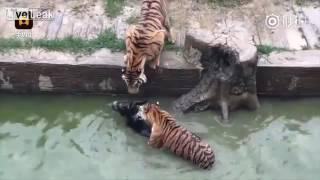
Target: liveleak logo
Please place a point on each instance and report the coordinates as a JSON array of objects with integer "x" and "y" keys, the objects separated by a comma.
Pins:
[{"x": 23, "y": 20}]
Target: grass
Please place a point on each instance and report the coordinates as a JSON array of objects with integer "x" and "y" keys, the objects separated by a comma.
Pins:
[
  {"x": 229, "y": 3},
  {"x": 300, "y": 2},
  {"x": 234, "y": 3},
  {"x": 268, "y": 49},
  {"x": 12, "y": 43},
  {"x": 304, "y": 2},
  {"x": 106, "y": 39},
  {"x": 76, "y": 45},
  {"x": 171, "y": 47},
  {"x": 114, "y": 7}
]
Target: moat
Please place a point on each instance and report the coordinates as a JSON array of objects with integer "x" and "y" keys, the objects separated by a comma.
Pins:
[{"x": 80, "y": 137}]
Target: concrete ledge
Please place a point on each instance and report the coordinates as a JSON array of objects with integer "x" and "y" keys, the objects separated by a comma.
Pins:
[
  {"x": 100, "y": 73},
  {"x": 290, "y": 74},
  {"x": 282, "y": 74}
]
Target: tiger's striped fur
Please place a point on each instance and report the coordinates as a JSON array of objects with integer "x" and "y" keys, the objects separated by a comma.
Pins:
[
  {"x": 144, "y": 43},
  {"x": 168, "y": 134}
]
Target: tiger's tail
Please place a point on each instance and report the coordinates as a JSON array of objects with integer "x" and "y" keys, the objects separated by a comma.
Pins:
[{"x": 209, "y": 159}]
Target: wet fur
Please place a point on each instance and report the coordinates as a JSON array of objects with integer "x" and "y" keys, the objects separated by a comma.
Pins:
[{"x": 166, "y": 133}]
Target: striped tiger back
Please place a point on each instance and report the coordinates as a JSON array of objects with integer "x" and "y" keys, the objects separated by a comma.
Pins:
[
  {"x": 144, "y": 43},
  {"x": 167, "y": 133},
  {"x": 154, "y": 15}
]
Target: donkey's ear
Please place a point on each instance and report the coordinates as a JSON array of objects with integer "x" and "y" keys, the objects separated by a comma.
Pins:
[{"x": 140, "y": 103}]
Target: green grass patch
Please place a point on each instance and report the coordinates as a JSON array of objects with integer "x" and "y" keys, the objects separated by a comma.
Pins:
[
  {"x": 76, "y": 45},
  {"x": 267, "y": 49},
  {"x": 305, "y": 2},
  {"x": 300, "y": 2},
  {"x": 13, "y": 43},
  {"x": 107, "y": 39},
  {"x": 113, "y": 8},
  {"x": 171, "y": 47},
  {"x": 228, "y": 3}
]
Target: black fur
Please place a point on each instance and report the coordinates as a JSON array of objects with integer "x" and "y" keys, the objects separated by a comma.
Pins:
[{"x": 129, "y": 110}]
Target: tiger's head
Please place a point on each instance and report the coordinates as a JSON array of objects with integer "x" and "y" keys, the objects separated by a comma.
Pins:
[
  {"x": 150, "y": 112},
  {"x": 133, "y": 74}
]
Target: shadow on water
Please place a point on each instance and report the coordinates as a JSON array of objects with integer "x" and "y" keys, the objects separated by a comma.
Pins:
[{"x": 80, "y": 137}]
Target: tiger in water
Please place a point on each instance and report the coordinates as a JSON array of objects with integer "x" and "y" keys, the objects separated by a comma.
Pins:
[
  {"x": 144, "y": 43},
  {"x": 167, "y": 133}
]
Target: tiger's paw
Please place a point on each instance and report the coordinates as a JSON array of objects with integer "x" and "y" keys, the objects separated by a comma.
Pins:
[
  {"x": 155, "y": 145},
  {"x": 151, "y": 144},
  {"x": 153, "y": 65},
  {"x": 170, "y": 37}
]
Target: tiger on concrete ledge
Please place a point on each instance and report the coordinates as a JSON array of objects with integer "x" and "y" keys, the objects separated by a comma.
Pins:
[{"x": 145, "y": 42}]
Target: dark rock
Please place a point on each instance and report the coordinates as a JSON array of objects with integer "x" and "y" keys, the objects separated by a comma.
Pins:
[{"x": 228, "y": 79}]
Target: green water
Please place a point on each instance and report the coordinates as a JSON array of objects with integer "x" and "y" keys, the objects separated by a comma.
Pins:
[{"x": 80, "y": 138}]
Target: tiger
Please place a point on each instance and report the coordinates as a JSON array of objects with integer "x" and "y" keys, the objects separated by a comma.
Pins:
[
  {"x": 144, "y": 43},
  {"x": 167, "y": 133}
]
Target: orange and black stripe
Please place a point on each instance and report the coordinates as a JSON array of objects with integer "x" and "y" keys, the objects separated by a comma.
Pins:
[
  {"x": 141, "y": 43},
  {"x": 178, "y": 139}
]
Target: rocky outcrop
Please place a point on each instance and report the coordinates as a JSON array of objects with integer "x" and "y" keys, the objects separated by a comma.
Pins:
[{"x": 228, "y": 60}]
